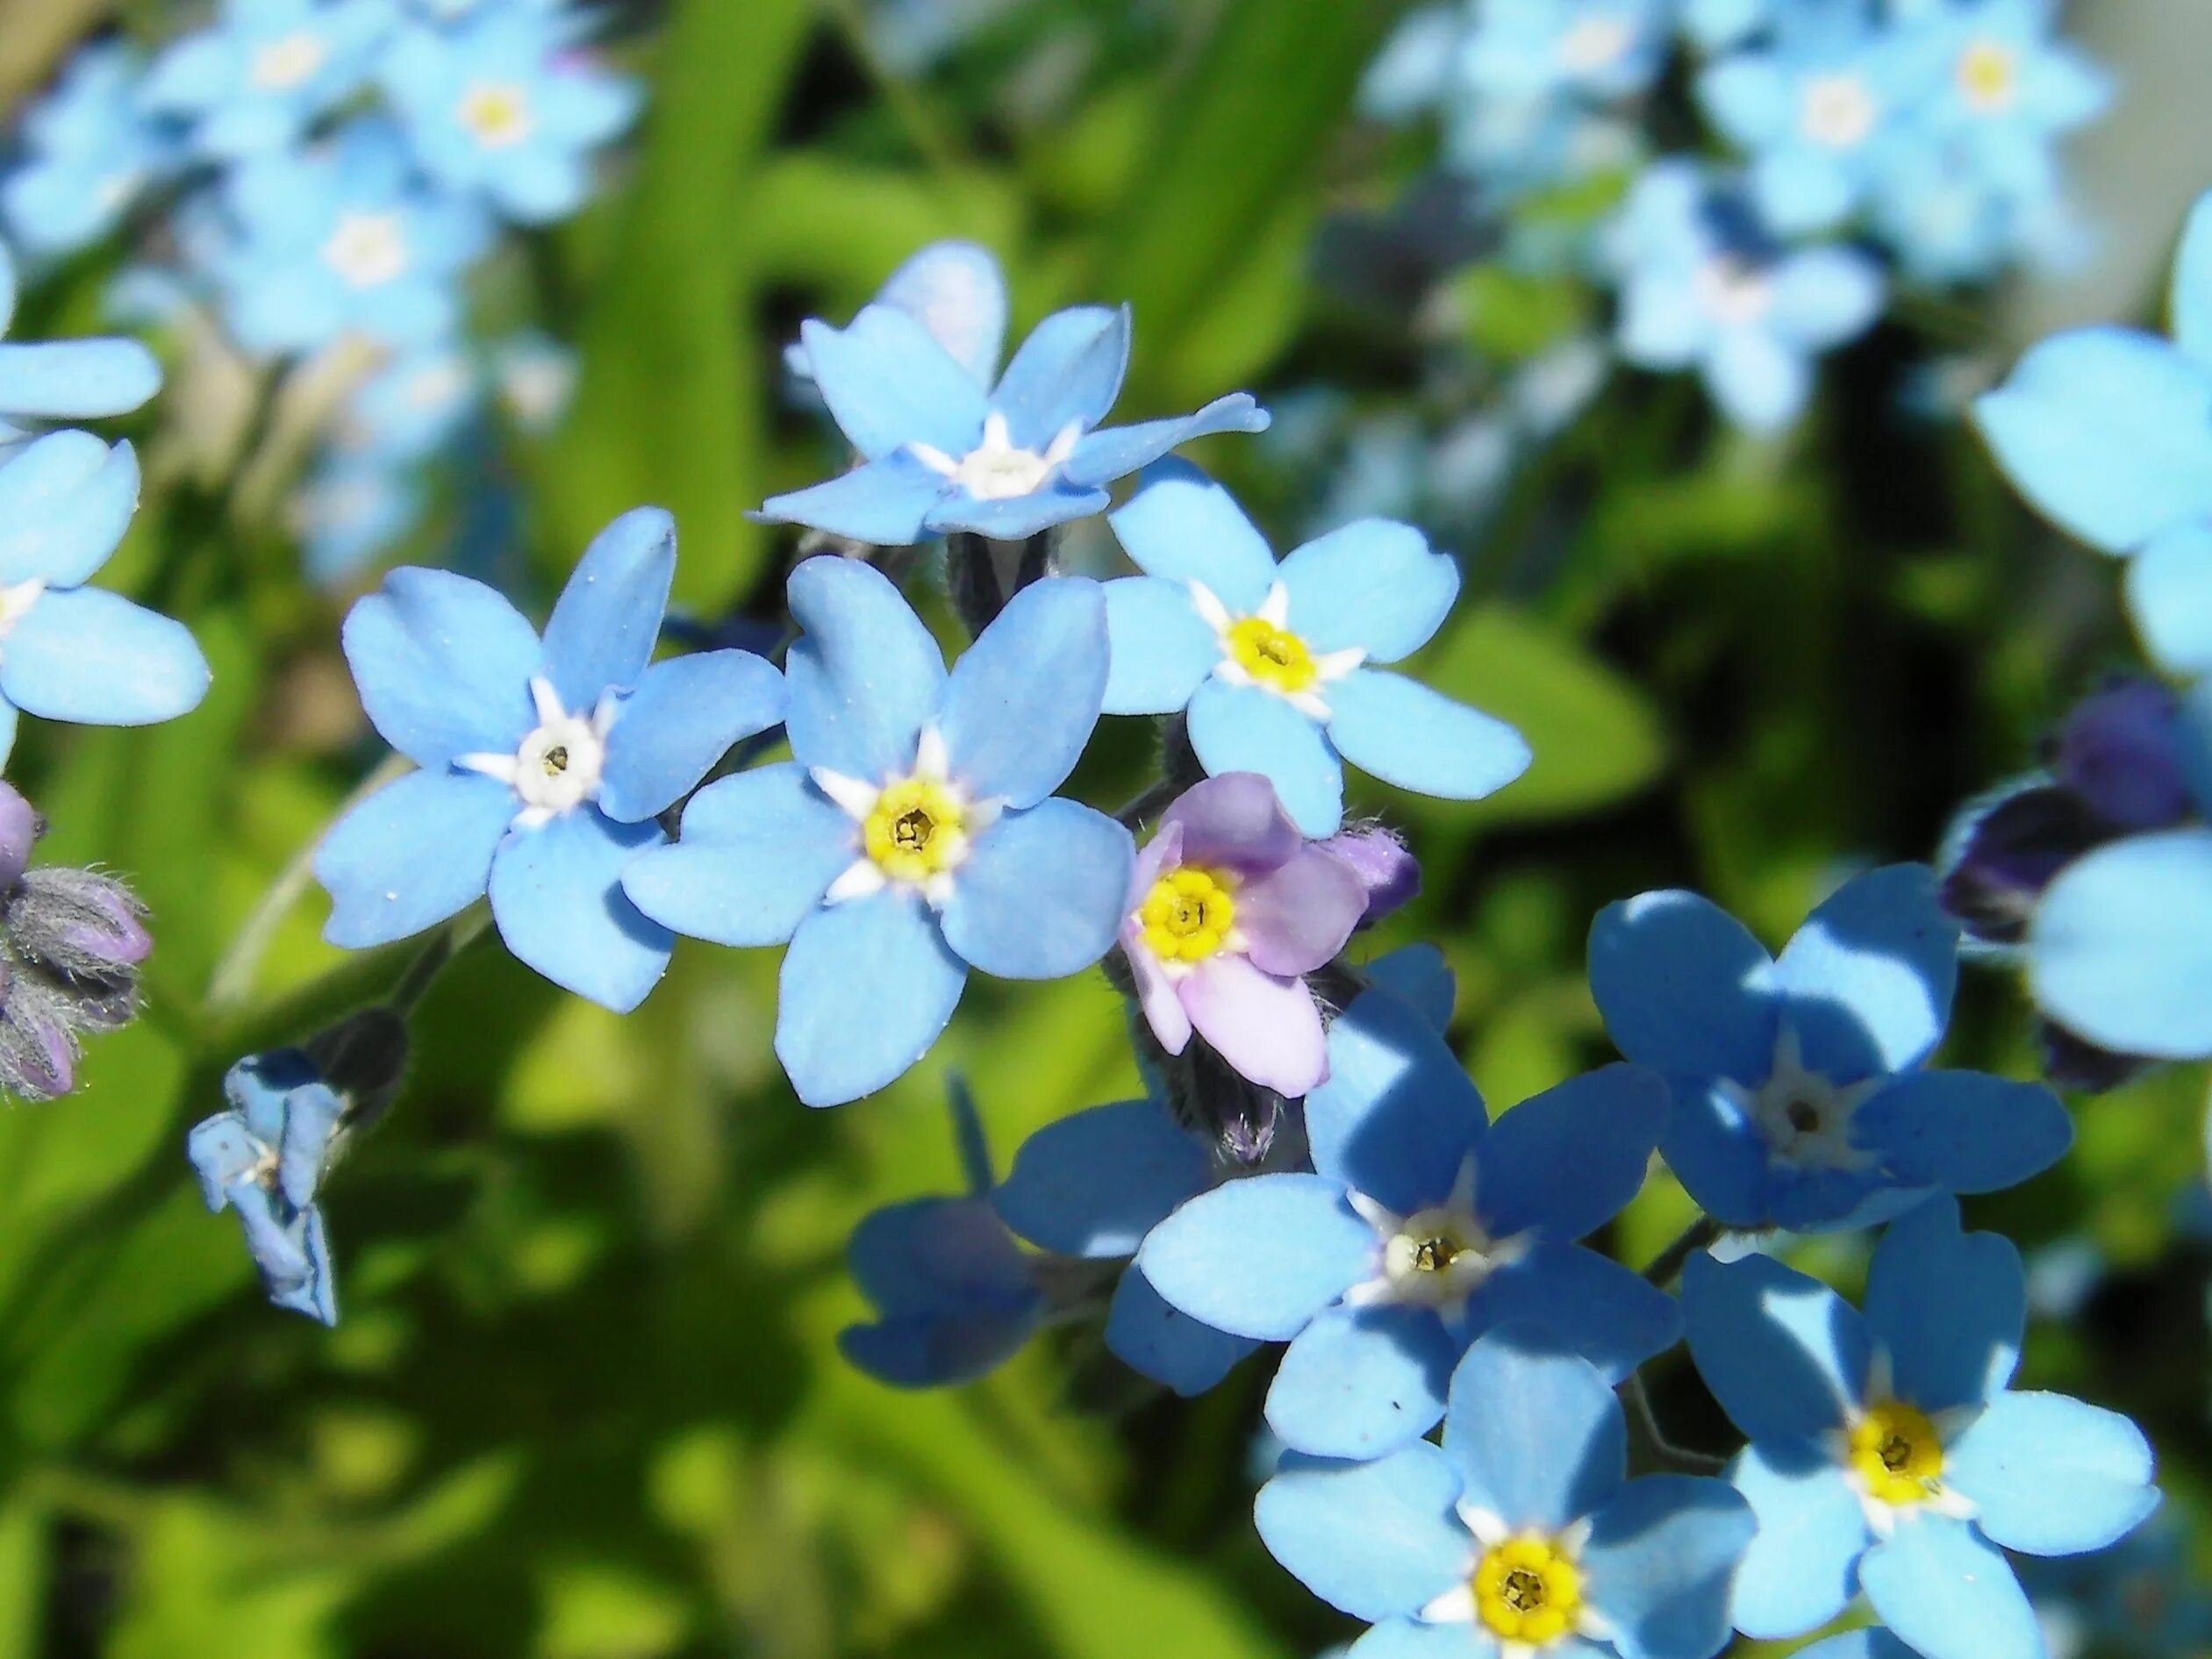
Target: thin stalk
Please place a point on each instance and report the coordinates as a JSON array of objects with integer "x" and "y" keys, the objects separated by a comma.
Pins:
[
  {"x": 456, "y": 937},
  {"x": 1666, "y": 1267}
]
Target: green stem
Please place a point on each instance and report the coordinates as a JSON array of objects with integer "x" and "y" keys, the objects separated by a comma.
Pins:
[
  {"x": 1666, "y": 1267},
  {"x": 450, "y": 941}
]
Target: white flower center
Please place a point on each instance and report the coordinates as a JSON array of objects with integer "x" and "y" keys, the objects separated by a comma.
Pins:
[
  {"x": 366, "y": 249},
  {"x": 1805, "y": 1116},
  {"x": 559, "y": 765},
  {"x": 914, "y": 830},
  {"x": 1435, "y": 1257},
  {"x": 1839, "y": 111},
  {"x": 1260, "y": 649},
  {"x": 1595, "y": 43},
  {"x": 282, "y": 64},
  {"x": 1734, "y": 290},
  {"x": 996, "y": 469},
  {"x": 497, "y": 113}
]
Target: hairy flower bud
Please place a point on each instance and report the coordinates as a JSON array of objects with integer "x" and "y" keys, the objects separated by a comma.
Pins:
[
  {"x": 1379, "y": 858},
  {"x": 79, "y": 922},
  {"x": 19, "y": 829}
]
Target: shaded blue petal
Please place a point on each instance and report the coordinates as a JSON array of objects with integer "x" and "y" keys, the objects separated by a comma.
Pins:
[
  {"x": 1242, "y": 728},
  {"x": 1421, "y": 976},
  {"x": 1566, "y": 1162},
  {"x": 1042, "y": 892},
  {"x": 930, "y": 1256},
  {"x": 1683, "y": 987},
  {"x": 2050, "y": 1476},
  {"x": 1360, "y": 1382},
  {"x": 1182, "y": 526},
  {"x": 1399, "y": 1113},
  {"x": 1166, "y": 1344},
  {"x": 1093, "y": 1184},
  {"x": 311, "y": 1115},
  {"x": 1537, "y": 1437},
  {"x": 89, "y": 656},
  {"x": 866, "y": 988},
  {"x": 2169, "y": 587},
  {"x": 1162, "y": 648},
  {"x": 1871, "y": 1642},
  {"x": 1825, "y": 296},
  {"x": 1760, "y": 382},
  {"x": 1870, "y": 975},
  {"x": 1586, "y": 1303},
  {"x": 1964, "y": 1131},
  {"x": 1113, "y": 451},
  {"x": 1406, "y": 734},
  {"x": 443, "y": 664},
  {"x": 1374, "y": 1539},
  {"x": 1948, "y": 1307},
  {"x": 8, "y": 724},
  {"x": 1413, "y": 1639},
  {"x": 865, "y": 677},
  {"x": 1067, "y": 373},
  {"x": 758, "y": 852},
  {"x": 683, "y": 716},
  {"x": 221, "y": 1153},
  {"x": 1801, "y": 1570},
  {"x": 603, "y": 625},
  {"x": 76, "y": 379},
  {"x": 1016, "y": 518},
  {"x": 887, "y": 383},
  {"x": 2118, "y": 952},
  {"x": 1373, "y": 585},
  {"x": 1023, "y": 700},
  {"x": 1260, "y": 1257},
  {"x": 1660, "y": 1559},
  {"x": 1949, "y": 1595},
  {"x": 65, "y": 502},
  {"x": 933, "y": 1350},
  {"x": 1786, "y": 1356},
  {"x": 413, "y": 853},
  {"x": 556, "y": 893},
  {"x": 884, "y": 502},
  {"x": 1718, "y": 1155}
]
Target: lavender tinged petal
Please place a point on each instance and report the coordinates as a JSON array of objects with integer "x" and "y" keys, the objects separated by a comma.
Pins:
[
  {"x": 1233, "y": 820},
  {"x": 1296, "y": 917},
  {"x": 1390, "y": 874},
  {"x": 2120, "y": 749},
  {"x": 18, "y": 830}
]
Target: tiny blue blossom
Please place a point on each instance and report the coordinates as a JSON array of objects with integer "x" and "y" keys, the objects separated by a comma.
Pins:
[
  {"x": 957, "y": 291},
  {"x": 264, "y": 1158},
  {"x": 1889, "y": 1455},
  {"x": 916, "y": 832},
  {"x": 89, "y": 151},
  {"x": 265, "y": 71},
  {"x": 414, "y": 406},
  {"x": 544, "y": 762},
  {"x": 1800, "y": 1099},
  {"x": 352, "y": 510},
  {"x": 1599, "y": 50}
]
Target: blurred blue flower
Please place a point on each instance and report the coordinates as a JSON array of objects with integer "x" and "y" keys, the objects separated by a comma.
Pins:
[
  {"x": 89, "y": 150},
  {"x": 1714, "y": 25},
  {"x": 1270, "y": 661},
  {"x": 267, "y": 70},
  {"x": 2008, "y": 91},
  {"x": 2143, "y": 1599},
  {"x": 1421, "y": 1228},
  {"x": 535, "y": 376},
  {"x": 414, "y": 406},
  {"x": 1799, "y": 1097},
  {"x": 941, "y": 453},
  {"x": 1889, "y": 1454},
  {"x": 1599, "y": 50},
  {"x": 1704, "y": 286},
  {"x": 351, "y": 510},
  {"x": 544, "y": 763},
  {"x": 264, "y": 1158},
  {"x": 1522, "y": 1535},
  {"x": 916, "y": 832}
]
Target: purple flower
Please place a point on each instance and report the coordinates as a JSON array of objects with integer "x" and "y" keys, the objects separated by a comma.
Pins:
[{"x": 1229, "y": 907}]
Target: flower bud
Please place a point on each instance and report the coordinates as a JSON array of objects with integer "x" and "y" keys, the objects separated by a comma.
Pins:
[
  {"x": 19, "y": 830},
  {"x": 79, "y": 922},
  {"x": 1378, "y": 857}
]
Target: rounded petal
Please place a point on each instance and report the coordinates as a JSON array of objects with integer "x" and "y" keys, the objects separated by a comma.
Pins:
[
  {"x": 1421, "y": 740},
  {"x": 1398, "y": 1113},
  {"x": 1420, "y": 975},
  {"x": 1265, "y": 1026},
  {"x": 759, "y": 851},
  {"x": 1162, "y": 648},
  {"x": 1093, "y": 1184},
  {"x": 2191, "y": 298},
  {"x": 933, "y": 1256},
  {"x": 1296, "y": 917},
  {"x": 1067, "y": 373},
  {"x": 1538, "y": 1436},
  {"x": 414, "y": 852},
  {"x": 603, "y": 625},
  {"x": 1964, "y": 1131},
  {"x": 956, "y": 290},
  {"x": 1165, "y": 1344},
  {"x": 886, "y": 502},
  {"x": 865, "y": 677},
  {"x": 1568, "y": 1161},
  {"x": 1947, "y": 1594},
  {"x": 1360, "y": 1382},
  {"x": 1233, "y": 820},
  {"x": 1947, "y": 1307},
  {"x": 1683, "y": 987},
  {"x": 1182, "y": 526},
  {"x": 2169, "y": 587},
  {"x": 1242, "y": 728},
  {"x": 2050, "y": 1476},
  {"x": 1869, "y": 976},
  {"x": 1786, "y": 1356},
  {"x": 2118, "y": 952},
  {"x": 1760, "y": 383},
  {"x": 1718, "y": 1155},
  {"x": 1586, "y": 1305},
  {"x": 1825, "y": 295},
  {"x": 1415, "y": 1639},
  {"x": 1373, "y": 585},
  {"x": 1374, "y": 1539},
  {"x": 556, "y": 893},
  {"x": 684, "y": 716},
  {"x": 888, "y": 383},
  {"x": 1260, "y": 1257},
  {"x": 1040, "y": 895},
  {"x": 1023, "y": 700},
  {"x": 935, "y": 1350},
  {"x": 1016, "y": 518},
  {"x": 91, "y": 656},
  {"x": 1113, "y": 451},
  {"x": 866, "y": 988},
  {"x": 1801, "y": 1568},
  {"x": 1661, "y": 1557},
  {"x": 76, "y": 379},
  {"x": 65, "y": 501},
  {"x": 443, "y": 664},
  {"x": 1869, "y": 1642}
]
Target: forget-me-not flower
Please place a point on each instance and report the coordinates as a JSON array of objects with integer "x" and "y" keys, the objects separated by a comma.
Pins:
[
  {"x": 264, "y": 1158},
  {"x": 351, "y": 510},
  {"x": 2007, "y": 92},
  {"x": 1889, "y": 1454},
  {"x": 916, "y": 832},
  {"x": 1800, "y": 1100},
  {"x": 1422, "y": 1225},
  {"x": 256, "y": 80},
  {"x": 89, "y": 150},
  {"x": 1521, "y": 1537},
  {"x": 1599, "y": 50},
  {"x": 544, "y": 763},
  {"x": 1271, "y": 662}
]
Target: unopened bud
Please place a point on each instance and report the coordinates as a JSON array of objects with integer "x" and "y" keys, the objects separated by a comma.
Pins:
[
  {"x": 1377, "y": 856},
  {"x": 79, "y": 921},
  {"x": 19, "y": 829}
]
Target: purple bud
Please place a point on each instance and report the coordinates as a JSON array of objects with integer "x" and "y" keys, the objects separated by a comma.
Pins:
[
  {"x": 38, "y": 1054},
  {"x": 79, "y": 922},
  {"x": 19, "y": 831},
  {"x": 2004, "y": 852},
  {"x": 2122, "y": 750},
  {"x": 1377, "y": 856}
]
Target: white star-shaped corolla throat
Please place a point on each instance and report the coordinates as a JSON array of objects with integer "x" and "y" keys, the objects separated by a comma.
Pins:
[
  {"x": 1435, "y": 1257},
  {"x": 915, "y": 829},
  {"x": 1595, "y": 43},
  {"x": 559, "y": 765},
  {"x": 288, "y": 61},
  {"x": 1260, "y": 650},
  {"x": 366, "y": 249},
  {"x": 998, "y": 469},
  {"x": 1894, "y": 1453},
  {"x": 1805, "y": 1118},
  {"x": 1839, "y": 111},
  {"x": 1734, "y": 289}
]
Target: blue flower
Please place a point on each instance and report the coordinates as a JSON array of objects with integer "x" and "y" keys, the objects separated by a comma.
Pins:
[
  {"x": 1704, "y": 286},
  {"x": 1522, "y": 1535},
  {"x": 2007, "y": 92},
  {"x": 88, "y": 150},
  {"x": 1799, "y": 1097},
  {"x": 260, "y": 78},
  {"x": 1270, "y": 661},
  {"x": 353, "y": 510},
  {"x": 414, "y": 406},
  {"x": 1421, "y": 1227},
  {"x": 943, "y": 452},
  {"x": 503, "y": 105},
  {"x": 43, "y": 381},
  {"x": 264, "y": 1158},
  {"x": 544, "y": 763},
  {"x": 1888, "y": 1454},
  {"x": 1714, "y": 25},
  {"x": 1529, "y": 50},
  {"x": 916, "y": 832}
]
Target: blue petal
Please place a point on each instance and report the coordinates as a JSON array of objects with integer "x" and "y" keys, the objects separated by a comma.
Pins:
[
  {"x": 412, "y": 855},
  {"x": 556, "y": 893},
  {"x": 2109, "y": 432},
  {"x": 1374, "y": 1539},
  {"x": 312, "y": 1117},
  {"x": 1042, "y": 892},
  {"x": 89, "y": 656},
  {"x": 1413, "y": 1639},
  {"x": 931, "y": 1255},
  {"x": 1360, "y": 1382},
  {"x": 1242, "y": 728},
  {"x": 866, "y": 988},
  {"x": 1093, "y": 1184},
  {"x": 1016, "y": 518},
  {"x": 759, "y": 851},
  {"x": 1786, "y": 1356},
  {"x": 1419, "y": 739},
  {"x": 2169, "y": 586},
  {"x": 1800, "y": 1570},
  {"x": 1870, "y": 975},
  {"x": 1260, "y": 1257},
  {"x": 1165, "y": 1344},
  {"x": 1587, "y": 1305},
  {"x": 1718, "y": 1155},
  {"x": 1964, "y": 1131},
  {"x": 956, "y": 290},
  {"x": 1660, "y": 1560},
  {"x": 2118, "y": 952},
  {"x": 1948, "y": 1307},
  {"x": 1067, "y": 373},
  {"x": 444, "y": 666},
  {"x": 1870, "y": 1642},
  {"x": 1398, "y": 1113},
  {"x": 1373, "y": 586},
  {"x": 1162, "y": 648},
  {"x": 684, "y": 716},
  {"x": 866, "y": 676},
  {"x": 603, "y": 625},
  {"x": 2050, "y": 1476},
  {"x": 1113, "y": 452},
  {"x": 884, "y": 502},
  {"x": 1537, "y": 1437},
  {"x": 1023, "y": 700},
  {"x": 1182, "y": 526},
  {"x": 1948, "y": 1595},
  {"x": 65, "y": 502},
  {"x": 887, "y": 383},
  {"x": 221, "y": 1153},
  {"x": 1568, "y": 1161},
  {"x": 76, "y": 379},
  {"x": 1420, "y": 975},
  {"x": 935, "y": 1350},
  {"x": 1683, "y": 987},
  {"x": 2192, "y": 290}
]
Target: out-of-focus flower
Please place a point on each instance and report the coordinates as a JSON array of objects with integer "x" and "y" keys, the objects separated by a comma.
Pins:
[
  {"x": 88, "y": 150},
  {"x": 260, "y": 77},
  {"x": 264, "y": 1158}
]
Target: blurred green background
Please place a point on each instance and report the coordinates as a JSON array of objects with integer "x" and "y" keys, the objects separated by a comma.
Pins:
[{"x": 585, "y": 1402}]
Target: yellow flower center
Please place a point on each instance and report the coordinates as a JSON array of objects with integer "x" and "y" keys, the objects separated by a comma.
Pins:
[
  {"x": 497, "y": 114},
  {"x": 1987, "y": 76},
  {"x": 1274, "y": 657},
  {"x": 917, "y": 829},
  {"x": 1528, "y": 1590},
  {"x": 1895, "y": 1450},
  {"x": 1187, "y": 915}
]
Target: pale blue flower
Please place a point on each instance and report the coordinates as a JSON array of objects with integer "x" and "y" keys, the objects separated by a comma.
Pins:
[
  {"x": 267, "y": 70},
  {"x": 264, "y": 1158},
  {"x": 89, "y": 153}
]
